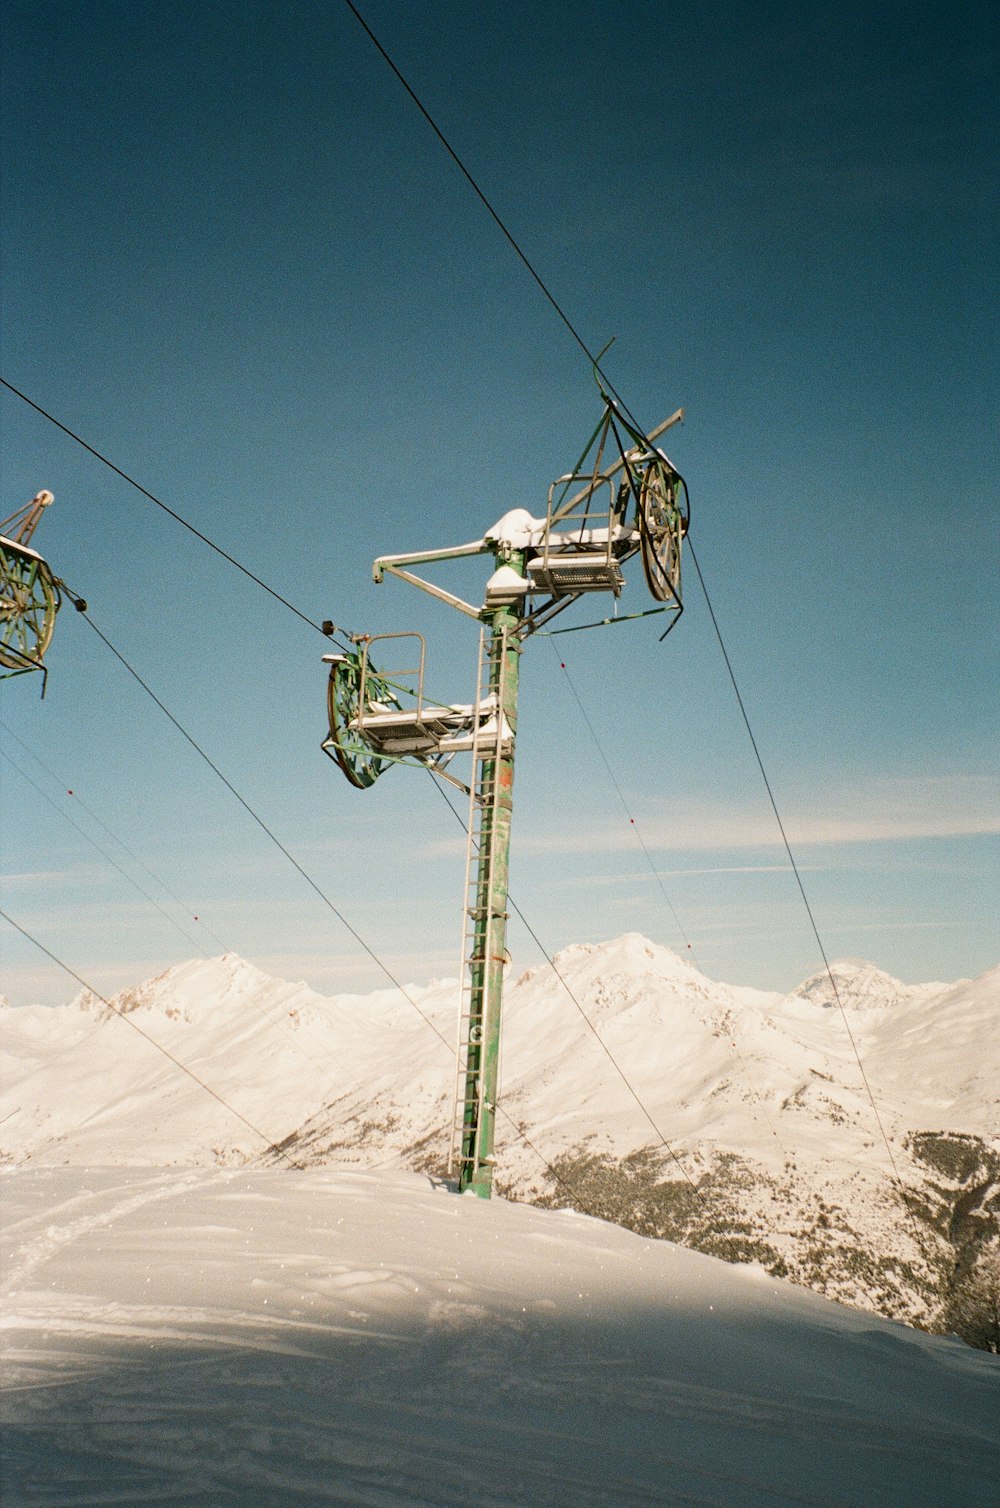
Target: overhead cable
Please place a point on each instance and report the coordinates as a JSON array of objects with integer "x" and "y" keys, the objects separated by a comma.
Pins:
[
  {"x": 802, "y": 892},
  {"x": 624, "y": 805},
  {"x": 131, "y": 880},
  {"x": 127, "y": 1018},
  {"x": 625, "y": 410},
  {"x": 472, "y": 183},
  {"x": 172, "y": 512},
  {"x": 634, "y": 826}
]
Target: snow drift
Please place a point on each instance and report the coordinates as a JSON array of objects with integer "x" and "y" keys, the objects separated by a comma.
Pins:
[{"x": 250, "y": 1337}]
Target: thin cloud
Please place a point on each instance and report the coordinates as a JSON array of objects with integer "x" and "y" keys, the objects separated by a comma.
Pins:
[
  {"x": 749, "y": 869},
  {"x": 642, "y": 876},
  {"x": 895, "y": 809}
]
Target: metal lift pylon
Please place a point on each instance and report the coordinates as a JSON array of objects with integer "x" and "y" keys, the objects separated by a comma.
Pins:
[
  {"x": 487, "y": 870},
  {"x": 380, "y": 717}
]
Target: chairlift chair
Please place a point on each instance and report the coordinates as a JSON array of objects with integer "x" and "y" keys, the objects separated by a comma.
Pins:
[{"x": 377, "y": 718}]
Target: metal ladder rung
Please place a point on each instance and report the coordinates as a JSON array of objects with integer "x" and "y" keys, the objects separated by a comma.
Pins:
[{"x": 490, "y": 737}]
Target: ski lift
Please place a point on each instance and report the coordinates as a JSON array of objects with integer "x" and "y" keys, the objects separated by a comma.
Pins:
[
  {"x": 378, "y": 718},
  {"x": 29, "y": 593},
  {"x": 636, "y": 505},
  {"x": 584, "y": 541},
  {"x": 584, "y": 557}
]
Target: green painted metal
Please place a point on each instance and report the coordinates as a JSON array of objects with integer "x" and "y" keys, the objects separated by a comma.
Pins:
[
  {"x": 495, "y": 790},
  {"x": 648, "y": 484},
  {"x": 29, "y": 601},
  {"x": 353, "y": 755}
]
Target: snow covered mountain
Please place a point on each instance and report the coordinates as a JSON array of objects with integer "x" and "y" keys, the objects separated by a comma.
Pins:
[{"x": 732, "y": 1120}]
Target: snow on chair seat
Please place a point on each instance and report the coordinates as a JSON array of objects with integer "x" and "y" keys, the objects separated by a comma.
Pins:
[
  {"x": 587, "y": 555},
  {"x": 423, "y": 729},
  {"x": 561, "y": 572}
]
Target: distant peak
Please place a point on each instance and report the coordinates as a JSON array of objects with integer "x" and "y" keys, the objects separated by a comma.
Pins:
[
  {"x": 190, "y": 984},
  {"x": 855, "y": 983},
  {"x": 600, "y": 949},
  {"x": 632, "y": 953}
]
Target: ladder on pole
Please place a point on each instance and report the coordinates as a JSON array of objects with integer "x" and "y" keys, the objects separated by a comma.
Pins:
[
  {"x": 377, "y": 720},
  {"x": 484, "y": 925}
]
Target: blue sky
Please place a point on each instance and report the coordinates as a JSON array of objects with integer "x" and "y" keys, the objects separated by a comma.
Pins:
[{"x": 238, "y": 262}]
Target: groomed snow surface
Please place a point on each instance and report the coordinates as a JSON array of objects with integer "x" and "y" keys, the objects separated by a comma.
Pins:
[{"x": 248, "y": 1336}]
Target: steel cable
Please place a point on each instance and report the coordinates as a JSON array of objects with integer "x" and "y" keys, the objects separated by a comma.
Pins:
[{"x": 594, "y": 362}]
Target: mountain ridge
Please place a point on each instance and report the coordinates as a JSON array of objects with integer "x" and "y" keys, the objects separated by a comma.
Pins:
[{"x": 734, "y": 1120}]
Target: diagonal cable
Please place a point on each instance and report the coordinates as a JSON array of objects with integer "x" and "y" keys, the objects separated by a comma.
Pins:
[
  {"x": 124, "y": 1016},
  {"x": 271, "y": 1020},
  {"x": 178, "y": 926},
  {"x": 472, "y": 183},
  {"x": 165, "y": 506},
  {"x": 624, "y": 409},
  {"x": 624, "y": 805},
  {"x": 755, "y": 1092},
  {"x": 805, "y": 899}
]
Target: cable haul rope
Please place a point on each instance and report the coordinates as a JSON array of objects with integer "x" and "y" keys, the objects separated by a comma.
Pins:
[
  {"x": 327, "y": 629},
  {"x": 634, "y": 828},
  {"x": 127, "y": 1018},
  {"x": 625, "y": 413},
  {"x": 130, "y": 879},
  {"x": 897, "y": 1180}
]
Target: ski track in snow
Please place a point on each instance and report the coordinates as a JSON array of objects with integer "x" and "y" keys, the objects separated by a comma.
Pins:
[
  {"x": 41, "y": 1239},
  {"x": 272, "y": 1337}
]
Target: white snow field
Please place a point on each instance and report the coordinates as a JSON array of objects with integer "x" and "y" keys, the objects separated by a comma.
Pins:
[
  {"x": 759, "y": 1095},
  {"x": 271, "y": 1336},
  {"x": 370, "y": 1077}
]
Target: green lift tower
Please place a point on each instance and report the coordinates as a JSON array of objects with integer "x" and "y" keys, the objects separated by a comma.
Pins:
[{"x": 621, "y": 499}]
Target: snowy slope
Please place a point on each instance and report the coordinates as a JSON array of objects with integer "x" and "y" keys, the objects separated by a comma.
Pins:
[
  {"x": 745, "y": 1127},
  {"x": 251, "y": 1337},
  {"x": 82, "y": 1085}
]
